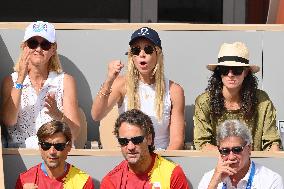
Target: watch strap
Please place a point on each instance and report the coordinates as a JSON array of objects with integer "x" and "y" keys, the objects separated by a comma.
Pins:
[{"x": 18, "y": 86}]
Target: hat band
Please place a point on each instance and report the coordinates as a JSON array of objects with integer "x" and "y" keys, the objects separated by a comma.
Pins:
[{"x": 233, "y": 58}]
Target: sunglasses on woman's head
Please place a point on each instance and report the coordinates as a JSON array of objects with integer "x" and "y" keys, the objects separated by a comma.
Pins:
[
  {"x": 147, "y": 49},
  {"x": 235, "y": 150},
  {"x": 236, "y": 70},
  {"x": 58, "y": 146},
  {"x": 135, "y": 140},
  {"x": 33, "y": 44}
]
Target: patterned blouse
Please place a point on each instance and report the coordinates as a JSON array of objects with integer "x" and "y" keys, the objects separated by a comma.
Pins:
[{"x": 32, "y": 111}]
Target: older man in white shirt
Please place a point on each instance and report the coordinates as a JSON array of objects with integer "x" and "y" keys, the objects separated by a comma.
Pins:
[{"x": 235, "y": 169}]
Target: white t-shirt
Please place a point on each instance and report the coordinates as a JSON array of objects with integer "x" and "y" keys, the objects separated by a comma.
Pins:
[
  {"x": 264, "y": 178},
  {"x": 32, "y": 114},
  {"x": 147, "y": 105}
]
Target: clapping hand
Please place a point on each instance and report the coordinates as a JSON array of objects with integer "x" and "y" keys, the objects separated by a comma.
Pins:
[
  {"x": 52, "y": 109},
  {"x": 24, "y": 63}
]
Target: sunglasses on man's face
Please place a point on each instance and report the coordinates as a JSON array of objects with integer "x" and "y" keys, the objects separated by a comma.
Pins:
[
  {"x": 33, "y": 44},
  {"x": 236, "y": 70},
  {"x": 147, "y": 49},
  {"x": 58, "y": 146},
  {"x": 235, "y": 150},
  {"x": 135, "y": 140}
]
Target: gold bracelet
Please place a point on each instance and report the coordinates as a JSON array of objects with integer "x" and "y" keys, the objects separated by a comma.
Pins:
[
  {"x": 102, "y": 94},
  {"x": 62, "y": 118}
]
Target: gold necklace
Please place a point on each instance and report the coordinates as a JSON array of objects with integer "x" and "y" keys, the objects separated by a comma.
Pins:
[
  {"x": 38, "y": 85},
  {"x": 146, "y": 92},
  {"x": 232, "y": 105}
]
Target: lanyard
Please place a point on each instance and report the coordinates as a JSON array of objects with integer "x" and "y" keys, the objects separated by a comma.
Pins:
[
  {"x": 251, "y": 175},
  {"x": 42, "y": 167}
]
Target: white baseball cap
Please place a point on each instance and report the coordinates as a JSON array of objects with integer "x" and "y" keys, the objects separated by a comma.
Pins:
[{"x": 42, "y": 29}]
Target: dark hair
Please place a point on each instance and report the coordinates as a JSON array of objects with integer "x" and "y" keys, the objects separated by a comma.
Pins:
[
  {"x": 247, "y": 94},
  {"x": 50, "y": 128},
  {"x": 139, "y": 119}
]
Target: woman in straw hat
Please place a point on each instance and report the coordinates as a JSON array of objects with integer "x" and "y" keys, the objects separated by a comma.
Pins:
[
  {"x": 38, "y": 91},
  {"x": 144, "y": 87},
  {"x": 232, "y": 94}
]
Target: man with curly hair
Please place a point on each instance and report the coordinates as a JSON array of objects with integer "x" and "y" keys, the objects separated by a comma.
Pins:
[
  {"x": 142, "y": 168},
  {"x": 233, "y": 93}
]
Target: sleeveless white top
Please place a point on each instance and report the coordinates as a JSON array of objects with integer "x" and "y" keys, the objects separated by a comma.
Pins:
[
  {"x": 32, "y": 111},
  {"x": 147, "y": 105}
]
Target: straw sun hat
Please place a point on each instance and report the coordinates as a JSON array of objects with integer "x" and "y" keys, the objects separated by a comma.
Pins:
[{"x": 233, "y": 54}]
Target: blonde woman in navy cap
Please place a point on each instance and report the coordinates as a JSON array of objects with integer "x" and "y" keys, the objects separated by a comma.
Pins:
[
  {"x": 233, "y": 93},
  {"x": 145, "y": 87},
  {"x": 38, "y": 91}
]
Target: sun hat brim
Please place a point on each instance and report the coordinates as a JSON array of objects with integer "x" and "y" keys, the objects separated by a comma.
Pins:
[{"x": 253, "y": 68}]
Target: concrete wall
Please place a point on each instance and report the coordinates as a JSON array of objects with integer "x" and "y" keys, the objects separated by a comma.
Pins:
[{"x": 85, "y": 54}]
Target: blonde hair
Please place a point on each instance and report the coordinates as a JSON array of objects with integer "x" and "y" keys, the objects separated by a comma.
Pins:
[
  {"x": 132, "y": 83},
  {"x": 53, "y": 63}
]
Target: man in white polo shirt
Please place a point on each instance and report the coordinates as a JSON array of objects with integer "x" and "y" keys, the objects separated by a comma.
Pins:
[{"x": 235, "y": 169}]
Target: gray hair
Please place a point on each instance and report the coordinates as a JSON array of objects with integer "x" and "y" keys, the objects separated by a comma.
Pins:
[{"x": 230, "y": 128}]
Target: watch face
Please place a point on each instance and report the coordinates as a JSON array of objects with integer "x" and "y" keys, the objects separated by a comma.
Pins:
[{"x": 19, "y": 85}]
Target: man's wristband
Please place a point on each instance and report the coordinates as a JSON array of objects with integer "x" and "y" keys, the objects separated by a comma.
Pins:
[{"x": 18, "y": 86}]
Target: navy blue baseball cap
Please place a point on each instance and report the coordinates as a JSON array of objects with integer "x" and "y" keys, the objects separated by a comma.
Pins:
[{"x": 147, "y": 33}]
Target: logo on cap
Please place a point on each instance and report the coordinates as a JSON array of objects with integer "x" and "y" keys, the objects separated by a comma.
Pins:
[
  {"x": 143, "y": 31},
  {"x": 38, "y": 27}
]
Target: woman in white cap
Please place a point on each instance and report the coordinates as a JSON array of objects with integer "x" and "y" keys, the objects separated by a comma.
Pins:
[
  {"x": 38, "y": 91},
  {"x": 232, "y": 94},
  {"x": 145, "y": 87}
]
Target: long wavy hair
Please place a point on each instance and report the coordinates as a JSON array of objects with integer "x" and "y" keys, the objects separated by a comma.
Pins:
[
  {"x": 53, "y": 63},
  {"x": 132, "y": 83},
  {"x": 247, "y": 94}
]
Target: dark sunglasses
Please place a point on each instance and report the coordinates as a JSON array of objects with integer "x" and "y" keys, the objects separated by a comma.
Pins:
[
  {"x": 235, "y": 150},
  {"x": 58, "y": 146},
  {"x": 236, "y": 70},
  {"x": 33, "y": 44},
  {"x": 147, "y": 49},
  {"x": 135, "y": 140}
]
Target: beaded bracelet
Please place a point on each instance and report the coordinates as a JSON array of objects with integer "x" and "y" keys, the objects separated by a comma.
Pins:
[
  {"x": 102, "y": 94},
  {"x": 62, "y": 118}
]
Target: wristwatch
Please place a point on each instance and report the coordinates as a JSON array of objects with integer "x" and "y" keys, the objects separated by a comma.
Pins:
[{"x": 18, "y": 86}]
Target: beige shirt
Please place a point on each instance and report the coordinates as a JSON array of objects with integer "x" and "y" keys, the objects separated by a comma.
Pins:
[{"x": 262, "y": 125}]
